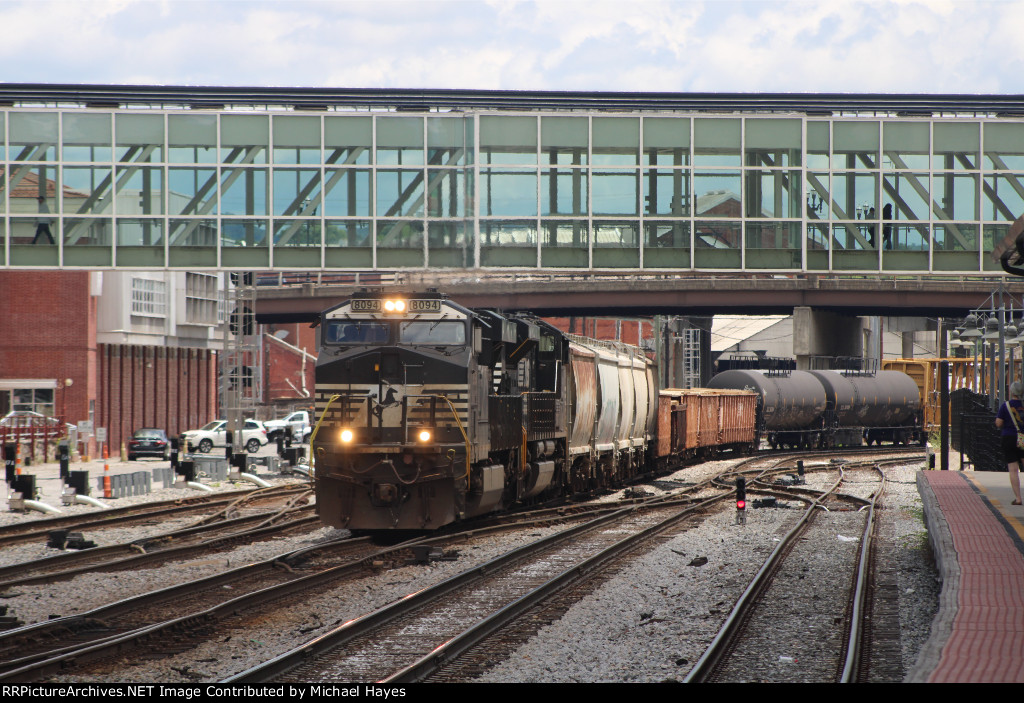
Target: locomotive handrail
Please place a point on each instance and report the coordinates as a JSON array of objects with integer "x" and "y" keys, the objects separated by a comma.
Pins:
[
  {"x": 312, "y": 436},
  {"x": 464, "y": 436}
]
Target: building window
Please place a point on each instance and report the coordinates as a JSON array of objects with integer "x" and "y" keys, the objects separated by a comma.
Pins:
[
  {"x": 149, "y": 297},
  {"x": 201, "y": 299}
]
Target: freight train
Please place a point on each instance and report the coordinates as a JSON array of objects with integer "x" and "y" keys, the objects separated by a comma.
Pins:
[{"x": 431, "y": 413}]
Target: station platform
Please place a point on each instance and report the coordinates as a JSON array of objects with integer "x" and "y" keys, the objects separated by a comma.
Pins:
[{"x": 977, "y": 536}]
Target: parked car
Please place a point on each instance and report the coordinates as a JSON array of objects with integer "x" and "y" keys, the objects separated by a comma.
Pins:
[
  {"x": 299, "y": 423},
  {"x": 149, "y": 441},
  {"x": 215, "y": 434}
]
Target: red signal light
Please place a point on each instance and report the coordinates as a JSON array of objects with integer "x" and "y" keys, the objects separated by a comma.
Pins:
[{"x": 741, "y": 505}]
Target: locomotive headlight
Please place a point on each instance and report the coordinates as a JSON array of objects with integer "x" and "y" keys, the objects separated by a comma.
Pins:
[
  {"x": 424, "y": 435},
  {"x": 346, "y": 436},
  {"x": 394, "y": 306}
]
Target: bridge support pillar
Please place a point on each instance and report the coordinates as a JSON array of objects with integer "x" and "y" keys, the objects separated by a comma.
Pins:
[{"x": 823, "y": 333}]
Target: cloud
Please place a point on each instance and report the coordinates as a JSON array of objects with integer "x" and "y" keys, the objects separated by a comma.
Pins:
[{"x": 644, "y": 45}]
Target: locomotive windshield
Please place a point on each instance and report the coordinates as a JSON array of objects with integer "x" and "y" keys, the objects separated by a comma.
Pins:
[
  {"x": 356, "y": 332},
  {"x": 432, "y": 332}
]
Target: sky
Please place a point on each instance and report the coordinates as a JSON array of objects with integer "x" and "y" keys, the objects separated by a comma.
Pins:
[{"x": 842, "y": 46}]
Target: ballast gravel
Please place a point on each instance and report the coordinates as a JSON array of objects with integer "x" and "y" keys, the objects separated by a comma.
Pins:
[{"x": 649, "y": 623}]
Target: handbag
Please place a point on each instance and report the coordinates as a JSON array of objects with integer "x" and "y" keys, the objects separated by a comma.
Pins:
[{"x": 1013, "y": 419}]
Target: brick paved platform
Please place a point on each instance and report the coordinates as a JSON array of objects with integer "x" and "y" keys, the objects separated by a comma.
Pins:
[{"x": 976, "y": 534}]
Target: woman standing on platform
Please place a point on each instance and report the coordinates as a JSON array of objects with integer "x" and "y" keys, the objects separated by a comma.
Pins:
[{"x": 1010, "y": 419}]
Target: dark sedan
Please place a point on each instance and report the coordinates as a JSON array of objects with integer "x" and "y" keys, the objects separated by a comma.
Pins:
[{"x": 149, "y": 441}]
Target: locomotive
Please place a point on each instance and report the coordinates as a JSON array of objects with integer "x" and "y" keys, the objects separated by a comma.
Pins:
[{"x": 431, "y": 413}]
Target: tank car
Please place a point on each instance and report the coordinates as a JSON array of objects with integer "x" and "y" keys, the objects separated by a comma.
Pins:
[
  {"x": 431, "y": 412},
  {"x": 828, "y": 408}
]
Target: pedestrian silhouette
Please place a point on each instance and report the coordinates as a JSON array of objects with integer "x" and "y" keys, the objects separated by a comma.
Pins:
[{"x": 43, "y": 223}]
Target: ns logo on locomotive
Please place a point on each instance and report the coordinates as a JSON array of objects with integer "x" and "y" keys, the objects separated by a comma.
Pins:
[{"x": 430, "y": 413}]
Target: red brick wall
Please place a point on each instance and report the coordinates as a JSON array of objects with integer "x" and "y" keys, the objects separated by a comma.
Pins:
[
  {"x": 281, "y": 364},
  {"x": 604, "y": 328},
  {"x": 48, "y": 330},
  {"x": 170, "y": 388}
]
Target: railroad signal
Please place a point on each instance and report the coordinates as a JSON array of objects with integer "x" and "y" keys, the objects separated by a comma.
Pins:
[{"x": 741, "y": 501}]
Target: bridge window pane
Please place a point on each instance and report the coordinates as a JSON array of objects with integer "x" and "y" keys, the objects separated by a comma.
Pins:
[
  {"x": 955, "y": 196},
  {"x": 87, "y": 241},
  {"x": 854, "y": 196},
  {"x": 32, "y": 245},
  {"x": 852, "y": 249},
  {"x": 955, "y": 247},
  {"x": 296, "y": 192},
  {"x": 817, "y": 203},
  {"x": 1004, "y": 146},
  {"x": 563, "y": 140},
  {"x": 817, "y": 247},
  {"x": 87, "y": 137},
  {"x": 667, "y": 141},
  {"x": 399, "y": 243},
  {"x": 449, "y": 141},
  {"x": 3, "y": 141},
  {"x": 29, "y": 183},
  {"x": 994, "y": 235},
  {"x": 399, "y": 192},
  {"x": 854, "y": 236},
  {"x": 616, "y": 141},
  {"x": 818, "y": 153},
  {"x": 140, "y": 190},
  {"x": 347, "y": 140},
  {"x": 905, "y": 145},
  {"x": 347, "y": 193},
  {"x": 906, "y": 197},
  {"x": 296, "y": 139},
  {"x": 563, "y": 192},
  {"x": 506, "y": 193},
  {"x": 33, "y": 136},
  {"x": 3, "y": 241},
  {"x": 446, "y": 195},
  {"x": 297, "y": 242},
  {"x": 400, "y": 141},
  {"x": 960, "y": 236},
  {"x": 508, "y": 140},
  {"x": 773, "y": 245},
  {"x": 565, "y": 243},
  {"x": 956, "y": 145},
  {"x": 615, "y": 193},
  {"x": 856, "y": 145},
  {"x": 905, "y": 247},
  {"x": 192, "y": 191},
  {"x": 667, "y": 192},
  {"x": 244, "y": 243},
  {"x": 667, "y": 244},
  {"x": 244, "y": 139},
  {"x": 139, "y": 137},
  {"x": 773, "y": 193},
  {"x": 717, "y": 244},
  {"x": 140, "y": 242},
  {"x": 348, "y": 243},
  {"x": 244, "y": 191},
  {"x": 449, "y": 244},
  {"x": 508, "y": 243},
  {"x": 718, "y": 194},
  {"x": 616, "y": 244},
  {"x": 192, "y": 139},
  {"x": 773, "y": 143},
  {"x": 716, "y": 142},
  {"x": 193, "y": 242},
  {"x": 87, "y": 190},
  {"x": 1003, "y": 197}
]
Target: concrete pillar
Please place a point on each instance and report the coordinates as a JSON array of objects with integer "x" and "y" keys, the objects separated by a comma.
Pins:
[{"x": 823, "y": 333}]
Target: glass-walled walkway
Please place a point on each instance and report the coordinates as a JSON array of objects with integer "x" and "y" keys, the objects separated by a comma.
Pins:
[{"x": 251, "y": 189}]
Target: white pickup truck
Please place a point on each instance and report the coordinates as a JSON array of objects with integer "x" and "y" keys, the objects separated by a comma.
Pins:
[{"x": 299, "y": 421}]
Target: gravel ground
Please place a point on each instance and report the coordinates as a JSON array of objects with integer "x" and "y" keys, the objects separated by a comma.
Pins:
[
  {"x": 653, "y": 621},
  {"x": 649, "y": 623}
]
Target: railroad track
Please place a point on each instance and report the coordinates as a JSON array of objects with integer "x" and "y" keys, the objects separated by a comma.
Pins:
[
  {"x": 216, "y": 504},
  {"x": 801, "y": 618}
]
